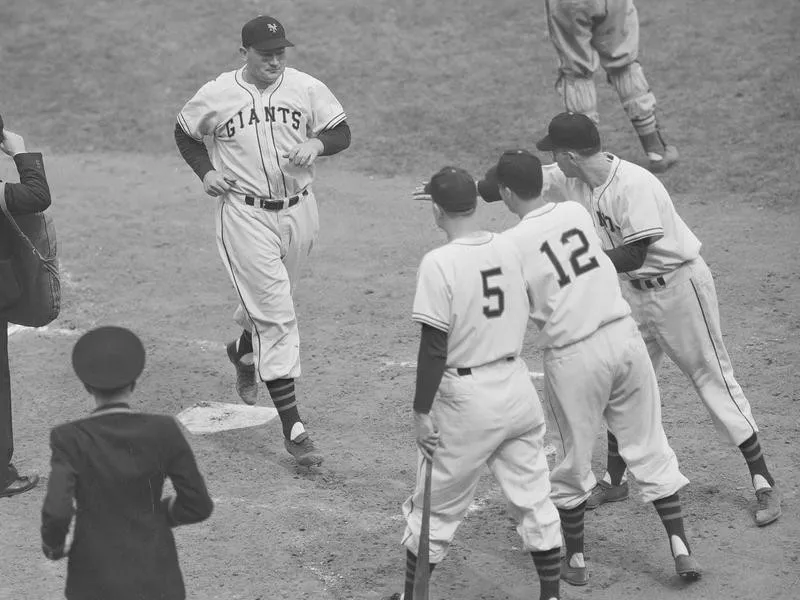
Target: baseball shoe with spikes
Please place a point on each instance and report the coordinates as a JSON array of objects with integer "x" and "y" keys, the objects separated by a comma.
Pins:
[
  {"x": 246, "y": 385},
  {"x": 686, "y": 566},
  {"x": 303, "y": 450},
  {"x": 605, "y": 492},
  {"x": 769, "y": 506}
]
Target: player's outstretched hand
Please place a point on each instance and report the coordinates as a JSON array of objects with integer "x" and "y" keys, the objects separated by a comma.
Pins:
[
  {"x": 12, "y": 143},
  {"x": 427, "y": 434},
  {"x": 216, "y": 184},
  {"x": 304, "y": 155}
]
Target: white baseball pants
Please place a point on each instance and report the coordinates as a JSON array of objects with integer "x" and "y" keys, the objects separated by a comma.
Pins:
[
  {"x": 262, "y": 250},
  {"x": 608, "y": 376},
  {"x": 492, "y": 417},
  {"x": 682, "y": 321}
]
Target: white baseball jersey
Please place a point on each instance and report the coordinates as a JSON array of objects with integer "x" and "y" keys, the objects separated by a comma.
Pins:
[
  {"x": 250, "y": 130},
  {"x": 473, "y": 289},
  {"x": 572, "y": 284},
  {"x": 632, "y": 204}
]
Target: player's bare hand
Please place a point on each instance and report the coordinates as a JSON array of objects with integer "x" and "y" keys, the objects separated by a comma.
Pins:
[
  {"x": 304, "y": 155},
  {"x": 216, "y": 183},
  {"x": 427, "y": 434},
  {"x": 12, "y": 143}
]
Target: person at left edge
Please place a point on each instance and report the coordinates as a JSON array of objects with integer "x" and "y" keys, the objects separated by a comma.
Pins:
[
  {"x": 30, "y": 195},
  {"x": 112, "y": 464},
  {"x": 265, "y": 124}
]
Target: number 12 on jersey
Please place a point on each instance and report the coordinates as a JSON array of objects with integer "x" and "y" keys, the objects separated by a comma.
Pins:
[{"x": 576, "y": 258}]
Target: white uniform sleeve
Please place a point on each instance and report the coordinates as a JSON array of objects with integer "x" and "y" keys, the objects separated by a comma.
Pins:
[
  {"x": 432, "y": 302},
  {"x": 326, "y": 111},
  {"x": 636, "y": 211},
  {"x": 553, "y": 183},
  {"x": 199, "y": 117}
]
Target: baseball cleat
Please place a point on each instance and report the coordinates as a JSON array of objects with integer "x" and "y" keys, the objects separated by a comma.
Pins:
[
  {"x": 669, "y": 158},
  {"x": 605, "y": 492},
  {"x": 574, "y": 575},
  {"x": 303, "y": 450},
  {"x": 395, "y": 596},
  {"x": 769, "y": 506},
  {"x": 686, "y": 566},
  {"x": 246, "y": 385}
]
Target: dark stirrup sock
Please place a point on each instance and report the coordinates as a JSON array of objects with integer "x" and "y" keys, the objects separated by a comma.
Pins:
[
  {"x": 671, "y": 513},
  {"x": 411, "y": 569},
  {"x": 283, "y": 397},
  {"x": 572, "y": 524},
  {"x": 751, "y": 450},
  {"x": 548, "y": 566}
]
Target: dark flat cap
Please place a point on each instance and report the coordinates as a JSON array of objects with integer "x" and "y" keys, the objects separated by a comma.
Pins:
[{"x": 108, "y": 358}]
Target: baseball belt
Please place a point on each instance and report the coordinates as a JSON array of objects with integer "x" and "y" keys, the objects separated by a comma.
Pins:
[{"x": 268, "y": 204}]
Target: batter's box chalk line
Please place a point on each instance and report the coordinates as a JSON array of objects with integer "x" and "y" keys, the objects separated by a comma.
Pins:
[
  {"x": 412, "y": 364},
  {"x": 211, "y": 417}
]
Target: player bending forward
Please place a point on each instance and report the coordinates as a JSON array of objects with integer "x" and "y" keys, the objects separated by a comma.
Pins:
[
  {"x": 266, "y": 124},
  {"x": 668, "y": 286},
  {"x": 472, "y": 305},
  {"x": 595, "y": 361}
]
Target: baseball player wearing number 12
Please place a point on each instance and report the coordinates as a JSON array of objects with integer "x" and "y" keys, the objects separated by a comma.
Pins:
[
  {"x": 265, "y": 124},
  {"x": 472, "y": 306},
  {"x": 595, "y": 362},
  {"x": 668, "y": 285}
]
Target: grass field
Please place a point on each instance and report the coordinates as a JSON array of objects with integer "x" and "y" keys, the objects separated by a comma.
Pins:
[{"x": 97, "y": 84}]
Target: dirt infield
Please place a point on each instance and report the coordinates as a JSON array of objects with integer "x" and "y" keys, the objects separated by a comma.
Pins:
[
  {"x": 147, "y": 261},
  {"x": 97, "y": 85}
]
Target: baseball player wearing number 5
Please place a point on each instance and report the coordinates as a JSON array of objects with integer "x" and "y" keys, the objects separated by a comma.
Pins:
[
  {"x": 265, "y": 125},
  {"x": 668, "y": 285},
  {"x": 595, "y": 362},
  {"x": 472, "y": 306}
]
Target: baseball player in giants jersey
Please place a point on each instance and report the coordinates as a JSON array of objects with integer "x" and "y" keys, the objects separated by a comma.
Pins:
[
  {"x": 265, "y": 124},
  {"x": 595, "y": 362},
  {"x": 472, "y": 306},
  {"x": 667, "y": 284},
  {"x": 590, "y": 33}
]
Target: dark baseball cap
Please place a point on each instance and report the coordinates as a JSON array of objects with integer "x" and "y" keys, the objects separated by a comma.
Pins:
[
  {"x": 570, "y": 131},
  {"x": 518, "y": 170},
  {"x": 108, "y": 358},
  {"x": 264, "y": 33},
  {"x": 453, "y": 189}
]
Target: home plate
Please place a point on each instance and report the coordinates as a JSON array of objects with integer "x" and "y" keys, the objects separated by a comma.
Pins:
[{"x": 210, "y": 417}]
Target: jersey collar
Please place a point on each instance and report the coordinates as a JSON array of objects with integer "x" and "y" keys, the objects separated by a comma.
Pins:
[{"x": 542, "y": 210}]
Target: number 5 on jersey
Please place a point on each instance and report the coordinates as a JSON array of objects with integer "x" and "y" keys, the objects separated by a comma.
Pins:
[
  {"x": 493, "y": 293},
  {"x": 578, "y": 262}
]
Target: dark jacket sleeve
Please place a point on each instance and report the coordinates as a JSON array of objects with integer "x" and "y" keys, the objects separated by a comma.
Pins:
[
  {"x": 32, "y": 193},
  {"x": 191, "y": 503},
  {"x": 58, "y": 508}
]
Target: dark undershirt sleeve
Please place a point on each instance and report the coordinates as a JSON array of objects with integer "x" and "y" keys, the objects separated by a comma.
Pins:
[
  {"x": 193, "y": 152},
  {"x": 629, "y": 257},
  {"x": 431, "y": 363},
  {"x": 335, "y": 140}
]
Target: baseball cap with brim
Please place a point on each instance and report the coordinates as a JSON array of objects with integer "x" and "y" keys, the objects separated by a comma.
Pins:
[
  {"x": 108, "y": 358},
  {"x": 570, "y": 131},
  {"x": 453, "y": 189},
  {"x": 518, "y": 170},
  {"x": 264, "y": 33}
]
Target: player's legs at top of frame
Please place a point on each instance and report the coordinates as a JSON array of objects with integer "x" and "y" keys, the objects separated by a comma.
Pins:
[{"x": 590, "y": 33}]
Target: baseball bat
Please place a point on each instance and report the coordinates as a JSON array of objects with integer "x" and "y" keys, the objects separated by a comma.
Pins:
[{"x": 422, "y": 574}]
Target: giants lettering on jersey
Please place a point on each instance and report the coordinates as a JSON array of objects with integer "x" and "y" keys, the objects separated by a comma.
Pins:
[
  {"x": 605, "y": 222},
  {"x": 272, "y": 114}
]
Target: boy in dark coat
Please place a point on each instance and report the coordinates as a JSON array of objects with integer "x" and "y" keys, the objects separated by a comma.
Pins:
[{"x": 113, "y": 464}]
